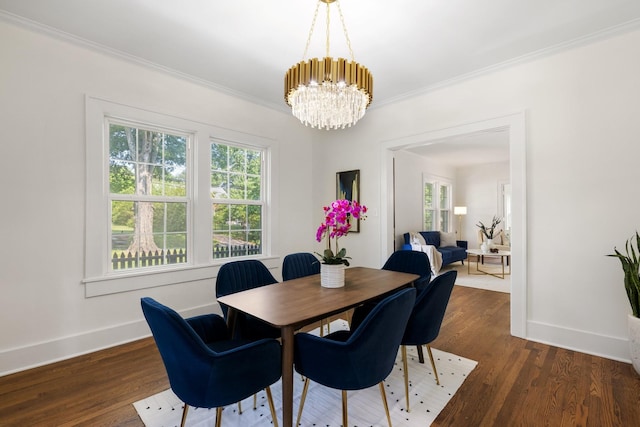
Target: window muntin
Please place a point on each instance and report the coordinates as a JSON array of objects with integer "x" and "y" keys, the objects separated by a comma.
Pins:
[
  {"x": 237, "y": 196},
  {"x": 148, "y": 196}
]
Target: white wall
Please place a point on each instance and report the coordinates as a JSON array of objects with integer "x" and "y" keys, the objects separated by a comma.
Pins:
[
  {"x": 581, "y": 178},
  {"x": 478, "y": 189},
  {"x": 43, "y": 81},
  {"x": 409, "y": 170}
]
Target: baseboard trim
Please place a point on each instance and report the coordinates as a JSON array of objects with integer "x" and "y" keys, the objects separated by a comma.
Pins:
[
  {"x": 43, "y": 353},
  {"x": 609, "y": 347}
]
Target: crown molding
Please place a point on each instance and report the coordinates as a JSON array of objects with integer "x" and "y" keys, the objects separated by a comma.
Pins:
[
  {"x": 97, "y": 47},
  {"x": 538, "y": 54},
  {"x": 541, "y": 53}
]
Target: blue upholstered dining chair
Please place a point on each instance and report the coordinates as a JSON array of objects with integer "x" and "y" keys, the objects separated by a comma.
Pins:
[
  {"x": 206, "y": 368},
  {"x": 356, "y": 359},
  {"x": 404, "y": 261},
  {"x": 236, "y": 276},
  {"x": 426, "y": 318},
  {"x": 301, "y": 264},
  {"x": 413, "y": 262}
]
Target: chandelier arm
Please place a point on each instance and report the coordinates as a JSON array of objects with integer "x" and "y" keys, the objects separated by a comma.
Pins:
[
  {"x": 313, "y": 24},
  {"x": 344, "y": 28},
  {"x": 328, "y": 26}
]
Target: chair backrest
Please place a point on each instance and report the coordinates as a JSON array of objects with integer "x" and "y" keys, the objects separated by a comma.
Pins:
[
  {"x": 299, "y": 264},
  {"x": 185, "y": 356},
  {"x": 428, "y": 312},
  {"x": 236, "y": 276},
  {"x": 413, "y": 262},
  {"x": 367, "y": 356},
  {"x": 212, "y": 374}
]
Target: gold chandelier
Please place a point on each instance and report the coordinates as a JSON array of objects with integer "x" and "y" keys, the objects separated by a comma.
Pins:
[{"x": 328, "y": 93}]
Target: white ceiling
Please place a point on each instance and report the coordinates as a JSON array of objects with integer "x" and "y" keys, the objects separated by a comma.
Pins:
[{"x": 244, "y": 47}]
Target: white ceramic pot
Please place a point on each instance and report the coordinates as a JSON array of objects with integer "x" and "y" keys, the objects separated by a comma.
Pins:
[
  {"x": 634, "y": 341},
  {"x": 332, "y": 275}
]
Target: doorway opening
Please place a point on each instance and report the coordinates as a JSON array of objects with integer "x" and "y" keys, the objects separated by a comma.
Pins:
[{"x": 515, "y": 125}]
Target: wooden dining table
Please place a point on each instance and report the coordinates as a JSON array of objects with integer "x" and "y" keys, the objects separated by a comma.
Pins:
[{"x": 292, "y": 304}]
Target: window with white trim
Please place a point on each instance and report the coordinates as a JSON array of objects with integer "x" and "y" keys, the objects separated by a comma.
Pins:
[
  {"x": 168, "y": 199},
  {"x": 437, "y": 204}
]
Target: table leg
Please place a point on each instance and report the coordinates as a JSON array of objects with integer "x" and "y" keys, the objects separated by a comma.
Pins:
[{"x": 287, "y": 376}]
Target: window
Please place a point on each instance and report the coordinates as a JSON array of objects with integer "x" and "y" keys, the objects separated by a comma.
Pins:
[
  {"x": 148, "y": 196},
  {"x": 437, "y": 204},
  {"x": 169, "y": 199},
  {"x": 429, "y": 206},
  {"x": 237, "y": 200},
  {"x": 444, "y": 207}
]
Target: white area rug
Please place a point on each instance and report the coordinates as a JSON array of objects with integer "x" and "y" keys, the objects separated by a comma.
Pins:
[
  {"x": 468, "y": 276},
  {"x": 323, "y": 405}
]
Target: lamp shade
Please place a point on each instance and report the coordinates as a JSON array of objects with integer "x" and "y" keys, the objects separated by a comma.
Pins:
[{"x": 460, "y": 210}]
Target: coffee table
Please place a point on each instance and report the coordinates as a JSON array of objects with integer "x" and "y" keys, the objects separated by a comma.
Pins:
[{"x": 478, "y": 254}]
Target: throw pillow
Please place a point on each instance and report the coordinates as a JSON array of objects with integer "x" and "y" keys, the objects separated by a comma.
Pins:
[
  {"x": 416, "y": 238},
  {"x": 447, "y": 239}
]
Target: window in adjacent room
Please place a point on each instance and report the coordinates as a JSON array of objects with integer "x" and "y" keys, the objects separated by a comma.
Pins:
[
  {"x": 237, "y": 199},
  {"x": 436, "y": 204}
]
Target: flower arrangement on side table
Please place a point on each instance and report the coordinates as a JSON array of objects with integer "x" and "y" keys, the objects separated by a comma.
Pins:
[
  {"x": 335, "y": 225},
  {"x": 488, "y": 231}
]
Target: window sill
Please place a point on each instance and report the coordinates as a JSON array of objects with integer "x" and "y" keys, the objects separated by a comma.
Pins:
[{"x": 130, "y": 281}]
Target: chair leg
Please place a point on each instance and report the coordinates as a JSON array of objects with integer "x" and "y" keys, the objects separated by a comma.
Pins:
[
  {"x": 184, "y": 415},
  {"x": 433, "y": 364},
  {"x": 240, "y": 408},
  {"x": 255, "y": 401},
  {"x": 384, "y": 402},
  {"x": 345, "y": 421},
  {"x": 406, "y": 375},
  {"x": 302, "y": 399},
  {"x": 420, "y": 354},
  {"x": 271, "y": 407},
  {"x": 219, "y": 417}
]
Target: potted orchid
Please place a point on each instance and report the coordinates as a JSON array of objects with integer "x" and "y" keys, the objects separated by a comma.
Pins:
[{"x": 335, "y": 225}]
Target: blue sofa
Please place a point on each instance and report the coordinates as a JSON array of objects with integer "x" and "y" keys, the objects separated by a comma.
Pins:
[{"x": 450, "y": 254}]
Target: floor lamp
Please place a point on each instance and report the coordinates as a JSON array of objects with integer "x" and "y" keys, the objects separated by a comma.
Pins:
[{"x": 460, "y": 211}]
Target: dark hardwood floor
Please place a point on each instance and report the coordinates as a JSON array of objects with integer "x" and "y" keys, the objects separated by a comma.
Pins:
[{"x": 516, "y": 382}]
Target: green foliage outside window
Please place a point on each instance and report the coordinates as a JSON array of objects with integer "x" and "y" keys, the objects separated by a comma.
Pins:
[
  {"x": 236, "y": 192},
  {"x": 146, "y": 165}
]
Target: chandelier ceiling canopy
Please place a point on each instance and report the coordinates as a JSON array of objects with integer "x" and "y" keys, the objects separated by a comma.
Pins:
[{"x": 328, "y": 93}]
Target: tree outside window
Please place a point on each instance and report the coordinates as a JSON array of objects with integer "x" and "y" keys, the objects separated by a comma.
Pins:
[{"x": 148, "y": 194}]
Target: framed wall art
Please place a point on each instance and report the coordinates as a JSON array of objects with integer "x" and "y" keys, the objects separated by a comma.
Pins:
[{"x": 348, "y": 187}]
